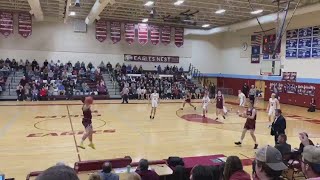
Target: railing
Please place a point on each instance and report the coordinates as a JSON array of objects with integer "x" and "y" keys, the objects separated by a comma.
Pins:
[
  {"x": 113, "y": 80},
  {"x": 195, "y": 73}
]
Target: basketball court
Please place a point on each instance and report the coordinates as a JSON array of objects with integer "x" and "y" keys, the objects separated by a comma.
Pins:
[{"x": 42, "y": 133}]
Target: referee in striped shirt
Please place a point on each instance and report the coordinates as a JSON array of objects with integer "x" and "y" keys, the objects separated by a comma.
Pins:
[{"x": 252, "y": 93}]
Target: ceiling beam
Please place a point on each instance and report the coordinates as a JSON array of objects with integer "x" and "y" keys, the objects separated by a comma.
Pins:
[
  {"x": 66, "y": 13},
  {"x": 96, "y": 9},
  {"x": 36, "y": 9}
]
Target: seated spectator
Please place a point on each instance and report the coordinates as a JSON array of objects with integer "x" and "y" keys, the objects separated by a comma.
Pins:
[
  {"x": 106, "y": 173},
  {"x": 282, "y": 145},
  {"x": 85, "y": 87},
  {"x": 144, "y": 172},
  {"x": 135, "y": 69},
  {"x": 268, "y": 164},
  {"x": 61, "y": 89},
  {"x": 101, "y": 90},
  {"x": 201, "y": 173},
  {"x": 35, "y": 94},
  {"x": 77, "y": 65},
  {"x": 311, "y": 162},
  {"x": 181, "y": 69},
  {"x": 43, "y": 93},
  {"x": 180, "y": 173},
  {"x": 90, "y": 65},
  {"x": 233, "y": 169},
  {"x": 129, "y": 68},
  {"x": 27, "y": 91},
  {"x": 312, "y": 107},
  {"x": 134, "y": 176},
  {"x": 109, "y": 66},
  {"x": 95, "y": 176},
  {"x": 82, "y": 72},
  {"x": 303, "y": 137},
  {"x": 21, "y": 64},
  {"x": 58, "y": 173},
  {"x": 20, "y": 93},
  {"x": 83, "y": 65},
  {"x": 140, "y": 69}
]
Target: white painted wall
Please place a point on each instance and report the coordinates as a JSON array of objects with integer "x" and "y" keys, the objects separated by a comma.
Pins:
[
  {"x": 234, "y": 64},
  {"x": 52, "y": 40}
]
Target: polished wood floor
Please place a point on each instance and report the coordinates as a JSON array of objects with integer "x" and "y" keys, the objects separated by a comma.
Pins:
[{"x": 36, "y": 135}]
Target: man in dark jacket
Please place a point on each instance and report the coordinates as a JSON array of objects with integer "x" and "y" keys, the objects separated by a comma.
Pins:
[
  {"x": 278, "y": 126},
  {"x": 144, "y": 172}
]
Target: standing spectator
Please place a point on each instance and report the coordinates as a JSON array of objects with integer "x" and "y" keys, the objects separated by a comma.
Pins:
[
  {"x": 311, "y": 162},
  {"x": 252, "y": 93},
  {"x": 139, "y": 93},
  {"x": 312, "y": 107},
  {"x": 304, "y": 139},
  {"x": 144, "y": 172},
  {"x": 282, "y": 145},
  {"x": 34, "y": 64},
  {"x": 20, "y": 93},
  {"x": 27, "y": 90},
  {"x": 23, "y": 81},
  {"x": 268, "y": 164},
  {"x": 278, "y": 126},
  {"x": 125, "y": 93},
  {"x": 109, "y": 66},
  {"x": 43, "y": 93},
  {"x": 212, "y": 89},
  {"x": 233, "y": 169},
  {"x": 106, "y": 173},
  {"x": 245, "y": 89}
]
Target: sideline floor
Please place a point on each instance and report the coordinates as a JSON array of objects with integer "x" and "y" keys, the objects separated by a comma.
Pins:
[{"x": 36, "y": 135}]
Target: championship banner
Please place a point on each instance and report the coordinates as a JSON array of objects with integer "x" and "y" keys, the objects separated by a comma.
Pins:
[
  {"x": 101, "y": 30},
  {"x": 129, "y": 32},
  {"x": 25, "y": 24},
  {"x": 143, "y": 33},
  {"x": 115, "y": 32},
  {"x": 151, "y": 58},
  {"x": 6, "y": 23},
  {"x": 289, "y": 76},
  {"x": 178, "y": 36},
  {"x": 166, "y": 35},
  {"x": 154, "y": 34}
]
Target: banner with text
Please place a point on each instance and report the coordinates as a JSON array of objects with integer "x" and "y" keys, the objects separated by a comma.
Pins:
[
  {"x": 179, "y": 36},
  {"x": 151, "y": 58},
  {"x": 166, "y": 35},
  {"x": 6, "y": 23},
  {"x": 143, "y": 33},
  {"x": 129, "y": 32},
  {"x": 154, "y": 34},
  {"x": 101, "y": 30},
  {"x": 115, "y": 32},
  {"x": 25, "y": 24}
]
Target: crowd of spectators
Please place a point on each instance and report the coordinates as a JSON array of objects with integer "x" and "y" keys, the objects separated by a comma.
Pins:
[
  {"x": 6, "y": 67},
  {"x": 169, "y": 87},
  {"x": 48, "y": 80}
]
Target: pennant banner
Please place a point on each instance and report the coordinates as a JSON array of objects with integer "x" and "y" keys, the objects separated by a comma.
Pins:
[
  {"x": 129, "y": 32},
  {"x": 143, "y": 33},
  {"x": 166, "y": 35},
  {"x": 101, "y": 30},
  {"x": 151, "y": 58},
  {"x": 25, "y": 24},
  {"x": 154, "y": 34},
  {"x": 178, "y": 36},
  {"x": 6, "y": 23},
  {"x": 115, "y": 31}
]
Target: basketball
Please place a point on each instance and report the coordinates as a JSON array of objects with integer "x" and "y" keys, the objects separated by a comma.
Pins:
[{"x": 89, "y": 100}]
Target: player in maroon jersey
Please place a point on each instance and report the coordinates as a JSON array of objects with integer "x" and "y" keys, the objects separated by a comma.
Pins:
[
  {"x": 188, "y": 100},
  {"x": 219, "y": 99},
  {"x": 87, "y": 122},
  {"x": 250, "y": 125}
]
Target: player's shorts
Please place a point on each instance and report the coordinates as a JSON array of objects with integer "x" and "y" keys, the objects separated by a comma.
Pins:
[
  {"x": 205, "y": 107},
  {"x": 271, "y": 112},
  {"x": 250, "y": 125},
  {"x": 188, "y": 100},
  {"x": 242, "y": 103},
  {"x": 154, "y": 104},
  {"x": 86, "y": 123}
]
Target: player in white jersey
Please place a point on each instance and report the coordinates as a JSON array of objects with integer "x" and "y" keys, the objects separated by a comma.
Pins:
[
  {"x": 272, "y": 106},
  {"x": 154, "y": 98},
  {"x": 242, "y": 100},
  {"x": 205, "y": 103}
]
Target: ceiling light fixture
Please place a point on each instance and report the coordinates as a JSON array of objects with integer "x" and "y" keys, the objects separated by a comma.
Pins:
[
  {"x": 220, "y": 11},
  {"x": 257, "y": 11},
  {"x": 145, "y": 20},
  {"x": 205, "y": 25},
  {"x": 72, "y": 13},
  {"x": 178, "y": 2},
  {"x": 149, "y": 3}
]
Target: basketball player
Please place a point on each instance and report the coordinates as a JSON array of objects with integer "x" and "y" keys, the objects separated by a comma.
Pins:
[
  {"x": 87, "y": 122},
  {"x": 250, "y": 125},
  {"x": 242, "y": 100},
  {"x": 219, "y": 105},
  {"x": 205, "y": 103},
  {"x": 188, "y": 100},
  {"x": 154, "y": 97},
  {"x": 272, "y": 106}
]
